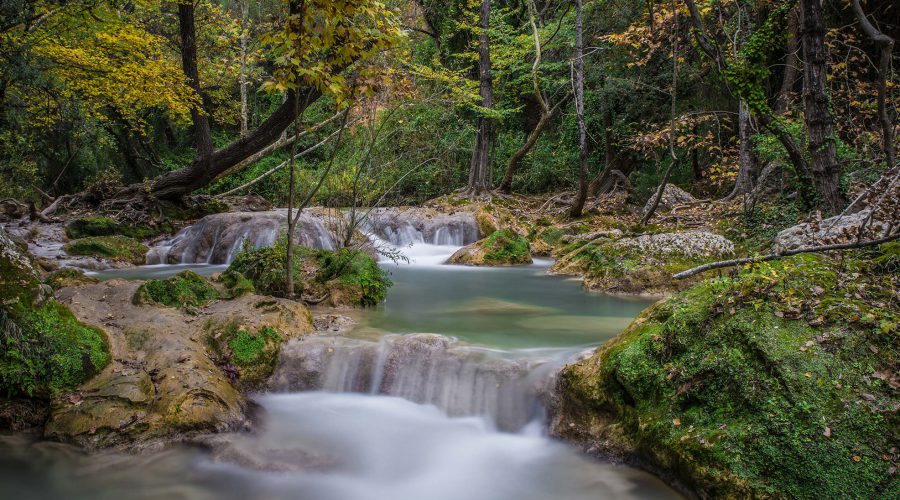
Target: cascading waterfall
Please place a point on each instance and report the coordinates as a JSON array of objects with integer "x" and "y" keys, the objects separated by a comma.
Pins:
[
  {"x": 218, "y": 238},
  {"x": 503, "y": 386}
]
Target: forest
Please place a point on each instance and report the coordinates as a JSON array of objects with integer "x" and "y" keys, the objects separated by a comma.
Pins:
[{"x": 481, "y": 249}]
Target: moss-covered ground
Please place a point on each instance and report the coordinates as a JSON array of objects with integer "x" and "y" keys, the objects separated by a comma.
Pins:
[
  {"x": 106, "y": 226},
  {"x": 777, "y": 382}
]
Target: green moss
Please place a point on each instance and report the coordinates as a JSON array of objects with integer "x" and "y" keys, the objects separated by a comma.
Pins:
[
  {"x": 346, "y": 271},
  {"x": 718, "y": 385},
  {"x": 236, "y": 284},
  {"x": 185, "y": 290},
  {"x": 506, "y": 247},
  {"x": 117, "y": 247},
  {"x": 68, "y": 277},
  {"x": 45, "y": 351},
  {"x": 106, "y": 226},
  {"x": 249, "y": 357}
]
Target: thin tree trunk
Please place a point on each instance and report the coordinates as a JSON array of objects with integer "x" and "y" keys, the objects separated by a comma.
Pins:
[
  {"x": 245, "y": 15},
  {"x": 482, "y": 155},
  {"x": 747, "y": 166},
  {"x": 886, "y": 46},
  {"x": 791, "y": 66},
  {"x": 674, "y": 96},
  {"x": 295, "y": 24},
  {"x": 608, "y": 156},
  {"x": 578, "y": 204},
  {"x": 826, "y": 172}
]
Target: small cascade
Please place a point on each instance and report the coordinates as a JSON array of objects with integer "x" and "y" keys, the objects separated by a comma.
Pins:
[
  {"x": 404, "y": 227},
  {"x": 218, "y": 238},
  {"x": 463, "y": 380}
]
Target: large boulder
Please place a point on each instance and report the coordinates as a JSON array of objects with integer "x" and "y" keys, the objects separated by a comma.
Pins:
[
  {"x": 692, "y": 244},
  {"x": 836, "y": 230},
  {"x": 168, "y": 380},
  {"x": 672, "y": 196},
  {"x": 501, "y": 248},
  {"x": 740, "y": 390}
]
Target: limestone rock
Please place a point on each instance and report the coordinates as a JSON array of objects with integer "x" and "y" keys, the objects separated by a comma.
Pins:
[
  {"x": 693, "y": 244},
  {"x": 672, "y": 195},
  {"x": 831, "y": 231}
]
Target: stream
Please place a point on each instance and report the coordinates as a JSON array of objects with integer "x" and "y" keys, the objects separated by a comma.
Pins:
[{"x": 435, "y": 394}]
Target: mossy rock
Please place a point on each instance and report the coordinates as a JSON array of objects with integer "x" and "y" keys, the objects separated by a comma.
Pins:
[
  {"x": 44, "y": 350},
  {"x": 186, "y": 290},
  {"x": 236, "y": 284},
  {"x": 69, "y": 277},
  {"x": 346, "y": 276},
  {"x": 120, "y": 248},
  {"x": 247, "y": 355},
  {"x": 719, "y": 388},
  {"x": 502, "y": 248},
  {"x": 106, "y": 226}
]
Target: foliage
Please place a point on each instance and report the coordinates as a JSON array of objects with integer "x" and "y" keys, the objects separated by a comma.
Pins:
[
  {"x": 506, "y": 247},
  {"x": 116, "y": 247},
  {"x": 186, "y": 290},
  {"x": 356, "y": 269},
  {"x": 770, "y": 384},
  {"x": 236, "y": 284}
]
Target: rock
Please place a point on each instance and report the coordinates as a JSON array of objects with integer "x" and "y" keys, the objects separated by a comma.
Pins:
[
  {"x": 332, "y": 323},
  {"x": 502, "y": 248},
  {"x": 609, "y": 233},
  {"x": 69, "y": 277},
  {"x": 692, "y": 244},
  {"x": 402, "y": 226},
  {"x": 831, "y": 231},
  {"x": 672, "y": 196},
  {"x": 163, "y": 385}
]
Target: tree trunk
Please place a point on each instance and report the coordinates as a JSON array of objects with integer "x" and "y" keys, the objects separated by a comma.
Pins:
[
  {"x": 187, "y": 31},
  {"x": 825, "y": 170},
  {"x": 245, "y": 14},
  {"x": 482, "y": 156},
  {"x": 791, "y": 66},
  {"x": 747, "y": 166},
  {"x": 578, "y": 204},
  {"x": 886, "y": 46}
]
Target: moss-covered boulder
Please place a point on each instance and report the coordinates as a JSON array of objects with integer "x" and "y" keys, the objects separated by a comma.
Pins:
[
  {"x": 44, "y": 350},
  {"x": 610, "y": 262},
  {"x": 97, "y": 225},
  {"x": 342, "y": 277},
  {"x": 235, "y": 284},
  {"x": 69, "y": 277},
  {"x": 501, "y": 248},
  {"x": 119, "y": 248},
  {"x": 186, "y": 290},
  {"x": 780, "y": 383}
]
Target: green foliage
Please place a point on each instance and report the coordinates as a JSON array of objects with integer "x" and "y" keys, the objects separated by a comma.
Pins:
[
  {"x": 236, "y": 284},
  {"x": 766, "y": 385},
  {"x": 506, "y": 247},
  {"x": 45, "y": 351},
  {"x": 117, "y": 247},
  {"x": 186, "y": 290},
  {"x": 348, "y": 270}
]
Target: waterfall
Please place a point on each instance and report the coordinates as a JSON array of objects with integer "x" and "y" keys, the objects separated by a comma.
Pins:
[
  {"x": 218, "y": 238},
  {"x": 463, "y": 380}
]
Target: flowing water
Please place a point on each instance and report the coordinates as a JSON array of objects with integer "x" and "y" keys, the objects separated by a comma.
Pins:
[{"x": 436, "y": 394}]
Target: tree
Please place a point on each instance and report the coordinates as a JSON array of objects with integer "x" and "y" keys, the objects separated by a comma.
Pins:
[
  {"x": 480, "y": 171},
  {"x": 336, "y": 35},
  {"x": 826, "y": 172},
  {"x": 578, "y": 204}
]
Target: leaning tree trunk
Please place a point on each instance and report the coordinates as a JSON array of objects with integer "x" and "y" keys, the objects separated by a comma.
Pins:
[
  {"x": 826, "y": 172},
  {"x": 482, "y": 155},
  {"x": 578, "y": 204}
]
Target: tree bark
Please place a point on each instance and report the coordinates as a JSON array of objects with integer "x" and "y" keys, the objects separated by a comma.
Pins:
[
  {"x": 578, "y": 204},
  {"x": 245, "y": 15},
  {"x": 791, "y": 66},
  {"x": 747, "y": 166},
  {"x": 482, "y": 156},
  {"x": 886, "y": 47},
  {"x": 188, "y": 33},
  {"x": 826, "y": 172}
]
